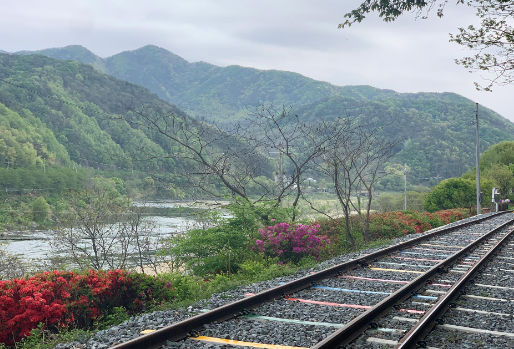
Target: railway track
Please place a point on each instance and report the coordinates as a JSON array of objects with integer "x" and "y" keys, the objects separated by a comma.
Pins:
[{"x": 392, "y": 297}]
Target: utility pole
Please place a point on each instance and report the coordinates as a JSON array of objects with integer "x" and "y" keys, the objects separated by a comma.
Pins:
[
  {"x": 479, "y": 209},
  {"x": 405, "y": 189},
  {"x": 280, "y": 168}
]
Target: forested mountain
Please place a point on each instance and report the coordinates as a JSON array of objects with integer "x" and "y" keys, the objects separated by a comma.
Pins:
[
  {"x": 70, "y": 53},
  {"x": 208, "y": 91},
  {"x": 436, "y": 127},
  {"x": 25, "y": 141},
  {"x": 53, "y": 110}
]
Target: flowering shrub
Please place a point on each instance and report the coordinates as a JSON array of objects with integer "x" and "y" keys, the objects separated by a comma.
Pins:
[
  {"x": 393, "y": 224},
  {"x": 290, "y": 242},
  {"x": 451, "y": 215},
  {"x": 60, "y": 299}
]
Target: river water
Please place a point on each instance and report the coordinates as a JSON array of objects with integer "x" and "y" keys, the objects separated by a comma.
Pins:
[{"x": 35, "y": 245}]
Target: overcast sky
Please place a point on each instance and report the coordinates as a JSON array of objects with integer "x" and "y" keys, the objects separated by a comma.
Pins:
[{"x": 408, "y": 55}]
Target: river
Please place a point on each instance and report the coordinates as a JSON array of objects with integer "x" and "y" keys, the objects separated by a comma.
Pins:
[{"x": 169, "y": 218}]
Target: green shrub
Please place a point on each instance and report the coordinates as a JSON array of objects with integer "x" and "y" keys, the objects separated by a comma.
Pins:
[
  {"x": 387, "y": 225},
  {"x": 116, "y": 317},
  {"x": 211, "y": 251},
  {"x": 222, "y": 249},
  {"x": 40, "y": 209},
  {"x": 450, "y": 193}
]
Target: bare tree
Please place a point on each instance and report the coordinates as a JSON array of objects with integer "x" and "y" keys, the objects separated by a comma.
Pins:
[
  {"x": 297, "y": 143},
  {"x": 235, "y": 160},
  {"x": 339, "y": 163},
  {"x": 213, "y": 160},
  {"x": 353, "y": 159},
  {"x": 102, "y": 230},
  {"x": 11, "y": 265},
  {"x": 375, "y": 151}
]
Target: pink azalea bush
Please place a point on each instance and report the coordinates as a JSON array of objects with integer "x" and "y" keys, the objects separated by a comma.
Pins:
[{"x": 291, "y": 242}]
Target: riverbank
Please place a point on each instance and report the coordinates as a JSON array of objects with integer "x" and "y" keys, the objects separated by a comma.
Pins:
[{"x": 33, "y": 249}]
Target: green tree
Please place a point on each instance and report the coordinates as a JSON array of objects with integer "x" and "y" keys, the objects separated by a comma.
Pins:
[
  {"x": 501, "y": 153},
  {"x": 486, "y": 186},
  {"x": 493, "y": 39},
  {"x": 451, "y": 193},
  {"x": 222, "y": 248},
  {"x": 120, "y": 186},
  {"x": 502, "y": 177},
  {"x": 40, "y": 209}
]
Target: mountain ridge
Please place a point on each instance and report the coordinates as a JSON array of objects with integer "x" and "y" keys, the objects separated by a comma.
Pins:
[
  {"x": 436, "y": 126},
  {"x": 168, "y": 80}
]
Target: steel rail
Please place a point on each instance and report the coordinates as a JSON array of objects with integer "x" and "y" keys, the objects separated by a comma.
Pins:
[
  {"x": 431, "y": 318},
  {"x": 361, "y": 323},
  {"x": 184, "y": 328}
]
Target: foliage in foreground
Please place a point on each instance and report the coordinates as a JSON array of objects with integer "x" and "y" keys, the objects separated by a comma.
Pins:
[
  {"x": 491, "y": 39},
  {"x": 248, "y": 237},
  {"x": 223, "y": 244},
  {"x": 167, "y": 290}
]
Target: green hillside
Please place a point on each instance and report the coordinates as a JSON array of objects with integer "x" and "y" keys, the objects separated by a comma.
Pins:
[
  {"x": 436, "y": 127},
  {"x": 202, "y": 89},
  {"x": 211, "y": 92},
  {"x": 439, "y": 137},
  {"x": 62, "y": 110},
  {"x": 26, "y": 142},
  {"x": 71, "y": 53}
]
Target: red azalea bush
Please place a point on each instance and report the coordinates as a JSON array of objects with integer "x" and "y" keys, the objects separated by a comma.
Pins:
[
  {"x": 451, "y": 215},
  {"x": 60, "y": 299},
  {"x": 291, "y": 242},
  {"x": 394, "y": 224}
]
